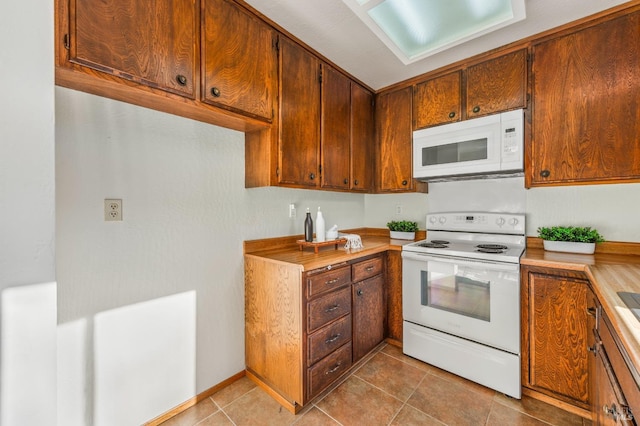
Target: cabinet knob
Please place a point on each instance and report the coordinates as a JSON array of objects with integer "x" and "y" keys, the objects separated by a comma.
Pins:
[
  {"x": 545, "y": 173},
  {"x": 181, "y": 79},
  {"x": 359, "y": 292},
  {"x": 476, "y": 109},
  {"x": 355, "y": 182},
  {"x": 345, "y": 181},
  {"x": 215, "y": 92},
  {"x": 452, "y": 114},
  {"x": 312, "y": 176},
  {"x": 405, "y": 182},
  {"x": 593, "y": 348}
]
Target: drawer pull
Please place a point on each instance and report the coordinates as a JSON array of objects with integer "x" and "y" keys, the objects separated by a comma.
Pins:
[
  {"x": 333, "y": 281},
  {"x": 332, "y": 339},
  {"x": 333, "y": 308},
  {"x": 334, "y": 369},
  {"x": 369, "y": 268}
]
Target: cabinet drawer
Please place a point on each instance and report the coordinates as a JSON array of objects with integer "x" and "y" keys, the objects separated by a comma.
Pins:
[
  {"x": 329, "y": 369},
  {"x": 327, "y": 308},
  {"x": 327, "y": 339},
  {"x": 329, "y": 280},
  {"x": 366, "y": 269}
]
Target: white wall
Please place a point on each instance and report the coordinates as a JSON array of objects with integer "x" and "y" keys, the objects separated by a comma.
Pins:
[
  {"x": 179, "y": 251},
  {"x": 27, "y": 290}
]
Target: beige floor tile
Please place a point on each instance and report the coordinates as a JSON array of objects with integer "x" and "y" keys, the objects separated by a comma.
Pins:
[
  {"x": 217, "y": 419},
  {"x": 501, "y": 415},
  {"x": 257, "y": 408},
  {"x": 232, "y": 392},
  {"x": 391, "y": 375},
  {"x": 193, "y": 415},
  {"x": 315, "y": 417},
  {"x": 540, "y": 410},
  {"x": 355, "y": 402},
  {"x": 409, "y": 416},
  {"x": 451, "y": 402}
]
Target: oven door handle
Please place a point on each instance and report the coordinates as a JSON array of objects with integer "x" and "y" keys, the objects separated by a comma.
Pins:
[{"x": 494, "y": 266}]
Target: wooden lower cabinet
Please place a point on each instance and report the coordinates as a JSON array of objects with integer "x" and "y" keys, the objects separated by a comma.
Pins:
[
  {"x": 555, "y": 326},
  {"x": 305, "y": 329}
]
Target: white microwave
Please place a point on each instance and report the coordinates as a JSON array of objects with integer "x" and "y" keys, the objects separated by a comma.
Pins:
[{"x": 490, "y": 146}]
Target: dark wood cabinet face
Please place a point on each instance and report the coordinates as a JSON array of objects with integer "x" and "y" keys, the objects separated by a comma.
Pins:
[
  {"x": 154, "y": 47},
  {"x": 299, "y": 137},
  {"x": 368, "y": 315},
  {"x": 362, "y": 139},
  {"x": 586, "y": 105},
  {"x": 335, "y": 129},
  {"x": 395, "y": 139},
  {"x": 438, "y": 100},
  {"x": 239, "y": 57}
]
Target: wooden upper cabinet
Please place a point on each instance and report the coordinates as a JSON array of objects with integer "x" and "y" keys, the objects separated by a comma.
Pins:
[
  {"x": 395, "y": 140},
  {"x": 438, "y": 100},
  {"x": 155, "y": 47},
  {"x": 586, "y": 106},
  {"x": 497, "y": 85},
  {"x": 239, "y": 56},
  {"x": 362, "y": 139},
  {"x": 335, "y": 128},
  {"x": 299, "y": 130}
]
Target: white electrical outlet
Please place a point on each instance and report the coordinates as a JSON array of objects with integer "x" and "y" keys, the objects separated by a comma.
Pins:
[
  {"x": 399, "y": 209},
  {"x": 112, "y": 210},
  {"x": 292, "y": 211}
]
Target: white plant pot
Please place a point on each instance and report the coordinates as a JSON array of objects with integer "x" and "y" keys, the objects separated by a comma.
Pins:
[
  {"x": 397, "y": 235},
  {"x": 569, "y": 247}
]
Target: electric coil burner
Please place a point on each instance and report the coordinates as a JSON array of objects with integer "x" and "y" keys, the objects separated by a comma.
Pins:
[{"x": 461, "y": 297}]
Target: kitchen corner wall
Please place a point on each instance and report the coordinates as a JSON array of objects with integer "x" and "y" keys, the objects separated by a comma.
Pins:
[{"x": 151, "y": 309}]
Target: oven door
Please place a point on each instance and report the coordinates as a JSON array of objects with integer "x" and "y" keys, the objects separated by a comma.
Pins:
[{"x": 473, "y": 299}]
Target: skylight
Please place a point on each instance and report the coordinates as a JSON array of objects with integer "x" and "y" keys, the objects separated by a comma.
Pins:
[{"x": 415, "y": 29}]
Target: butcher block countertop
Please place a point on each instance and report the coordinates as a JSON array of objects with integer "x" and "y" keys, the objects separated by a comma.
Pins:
[
  {"x": 286, "y": 250},
  {"x": 608, "y": 273}
]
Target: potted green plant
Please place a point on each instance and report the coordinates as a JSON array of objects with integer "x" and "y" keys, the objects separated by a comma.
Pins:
[
  {"x": 402, "y": 229},
  {"x": 572, "y": 239}
]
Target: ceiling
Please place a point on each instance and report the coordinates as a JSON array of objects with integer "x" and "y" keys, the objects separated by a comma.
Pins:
[{"x": 333, "y": 30}]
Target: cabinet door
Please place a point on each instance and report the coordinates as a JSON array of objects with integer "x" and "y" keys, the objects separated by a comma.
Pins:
[
  {"x": 557, "y": 337},
  {"x": 438, "y": 100},
  {"x": 335, "y": 129},
  {"x": 368, "y": 315},
  {"x": 154, "y": 45},
  {"x": 497, "y": 85},
  {"x": 299, "y": 137},
  {"x": 586, "y": 111},
  {"x": 393, "y": 111},
  {"x": 239, "y": 59},
  {"x": 362, "y": 139}
]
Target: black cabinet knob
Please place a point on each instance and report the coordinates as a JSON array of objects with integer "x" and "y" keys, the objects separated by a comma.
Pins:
[
  {"x": 405, "y": 182},
  {"x": 476, "y": 109},
  {"x": 215, "y": 92},
  {"x": 345, "y": 181},
  {"x": 312, "y": 176},
  {"x": 452, "y": 114},
  {"x": 181, "y": 79},
  {"x": 359, "y": 292},
  {"x": 545, "y": 173},
  {"x": 355, "y": 182}
]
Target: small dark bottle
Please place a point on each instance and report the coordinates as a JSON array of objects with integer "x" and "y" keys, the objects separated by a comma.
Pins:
[{"x": 308, "y": 227}]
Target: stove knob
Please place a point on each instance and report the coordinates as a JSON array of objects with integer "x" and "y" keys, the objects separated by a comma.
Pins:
[
  {"x": 500, "y": 221},
  {"x": 513, "y": 222},
  {"x": 442, "y": 219},
  {"x": 433, "y": 219}
]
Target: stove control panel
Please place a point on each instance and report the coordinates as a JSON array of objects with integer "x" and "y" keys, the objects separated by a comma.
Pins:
[{"x": 500, "y": 223}]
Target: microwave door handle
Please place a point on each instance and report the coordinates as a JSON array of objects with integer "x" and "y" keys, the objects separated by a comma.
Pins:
[{"x": 495, "y": 266}]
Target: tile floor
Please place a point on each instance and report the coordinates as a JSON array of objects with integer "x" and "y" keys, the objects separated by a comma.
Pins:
[{"x": 390, "y": 388}]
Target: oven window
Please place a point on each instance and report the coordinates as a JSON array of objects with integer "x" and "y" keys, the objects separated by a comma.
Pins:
[
  {"x": 455, "y": 152},
  {"x": 459, "y": 292}
]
